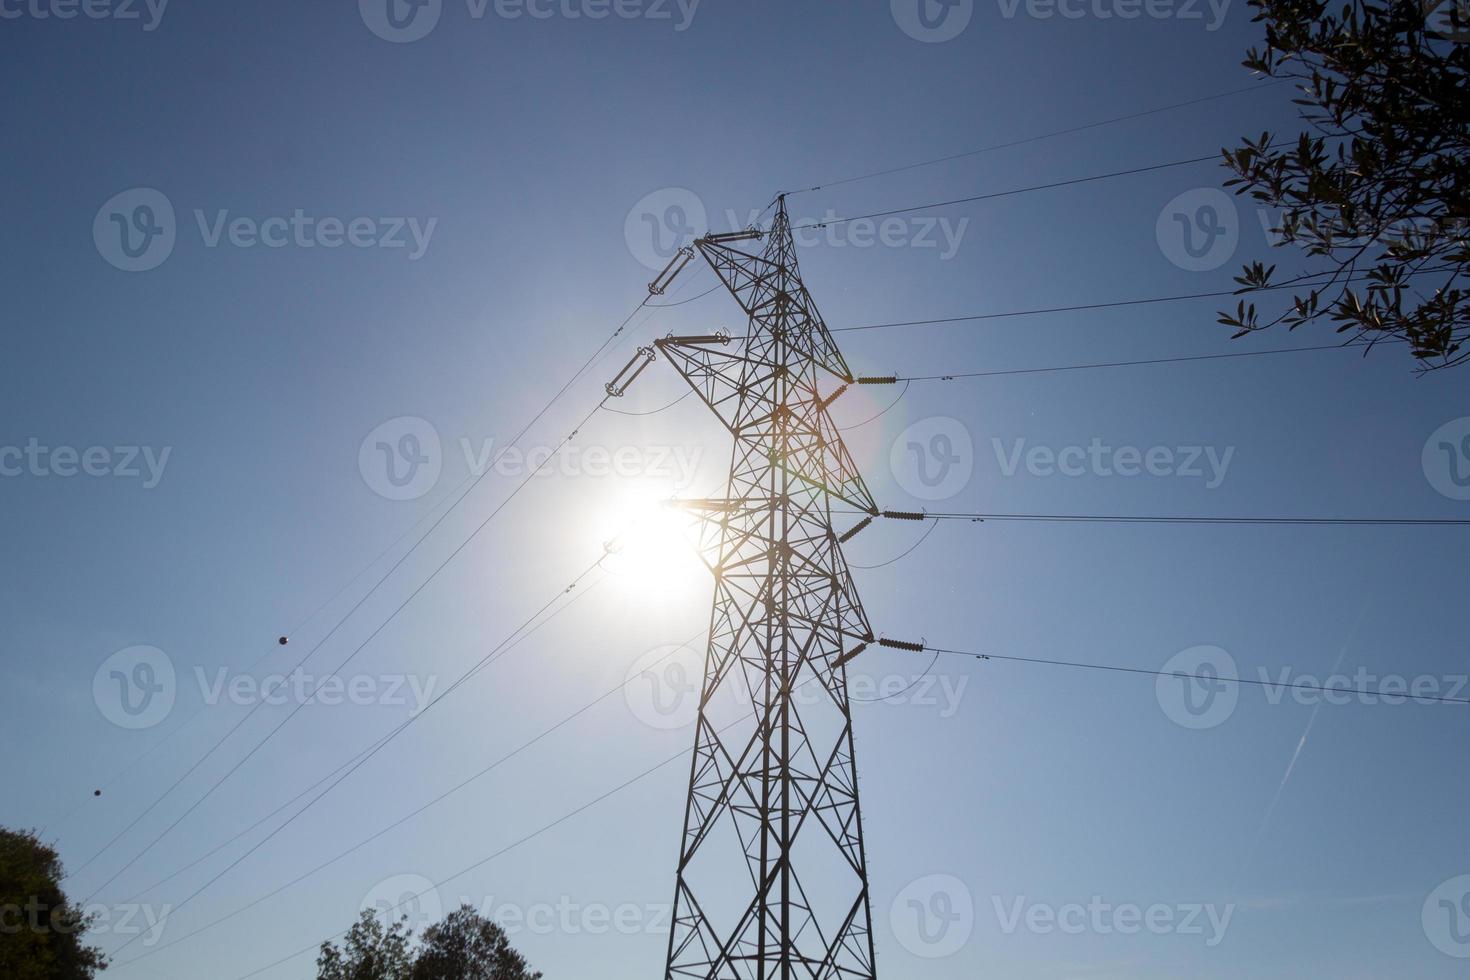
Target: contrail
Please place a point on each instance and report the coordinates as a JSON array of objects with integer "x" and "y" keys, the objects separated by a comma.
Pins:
[{"x": 1300, "y": 745}]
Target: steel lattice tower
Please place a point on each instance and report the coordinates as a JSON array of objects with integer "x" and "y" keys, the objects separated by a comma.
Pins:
[{"x": 772, "y": 875}]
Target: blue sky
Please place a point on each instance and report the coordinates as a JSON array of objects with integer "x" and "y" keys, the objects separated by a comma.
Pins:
[{"x": 518, "y": 161}]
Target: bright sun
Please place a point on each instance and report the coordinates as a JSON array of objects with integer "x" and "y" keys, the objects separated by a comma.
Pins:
[{"x": 652, "y": 542}]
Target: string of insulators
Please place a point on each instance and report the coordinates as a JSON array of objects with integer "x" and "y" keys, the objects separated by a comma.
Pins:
[
  {"x": 708, "y": 338},
  {"x": 676, "y": 265},
  {"x": 902, "y": 645},
  {"x": 905, "y": 515},
  {"x": 854, "y": 530},
  {"x": 850, "y": 654},
  {"x": 825, "y": 402},
  {"x": 887, "y": 379},
  {"x": 733, "y": 236}
]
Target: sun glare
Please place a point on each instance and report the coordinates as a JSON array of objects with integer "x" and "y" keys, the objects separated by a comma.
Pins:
[{"x": 651, "y": 542}]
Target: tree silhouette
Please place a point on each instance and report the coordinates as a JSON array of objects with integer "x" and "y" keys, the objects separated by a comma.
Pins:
[
  {"x": 467, "y": 946},
  {"x": 1379, "y": 186},
  {"x": 464, "y": 946},
  {"x": 371, "y": 951},
  {"x": 41, "y": 932}
]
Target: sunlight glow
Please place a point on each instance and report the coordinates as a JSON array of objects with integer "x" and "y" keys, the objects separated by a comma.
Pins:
[{"x": 652, "y": 544}]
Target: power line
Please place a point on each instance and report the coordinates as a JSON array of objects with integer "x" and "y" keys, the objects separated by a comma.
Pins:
[
  {"x": 873, "y": 418},
  {"x": 682, "y": 302},
  {"x": 1117, "y": 364},
  {"x": 1227, "y": 680},
  {"x": 665, "y": 408},
  {"x": 1259, "y": 87},
  {"x": 515, "y": 844},
  {"x": 910, "y": 551},
  {"x": 360, "y": 647},
  {"x": 368, "y": 750},
  {"x": 978, "y": 518},
  {"x": 1010, "y": 193},
  {"x": 1299, "y": 282},
  {"x": 483, "y": 861},
  {"x": 568, "y": 719},
  {"x": 469, "y": 486},
  {"x": 151, "y": 750},
  {"x": 519, "y": 633}
]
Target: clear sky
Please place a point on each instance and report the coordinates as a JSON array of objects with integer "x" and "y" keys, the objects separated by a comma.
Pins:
[{"x": 443, "y": 228}]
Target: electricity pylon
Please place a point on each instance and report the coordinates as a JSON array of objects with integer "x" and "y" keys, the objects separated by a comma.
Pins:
[{"x": 772, "y": 876}]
